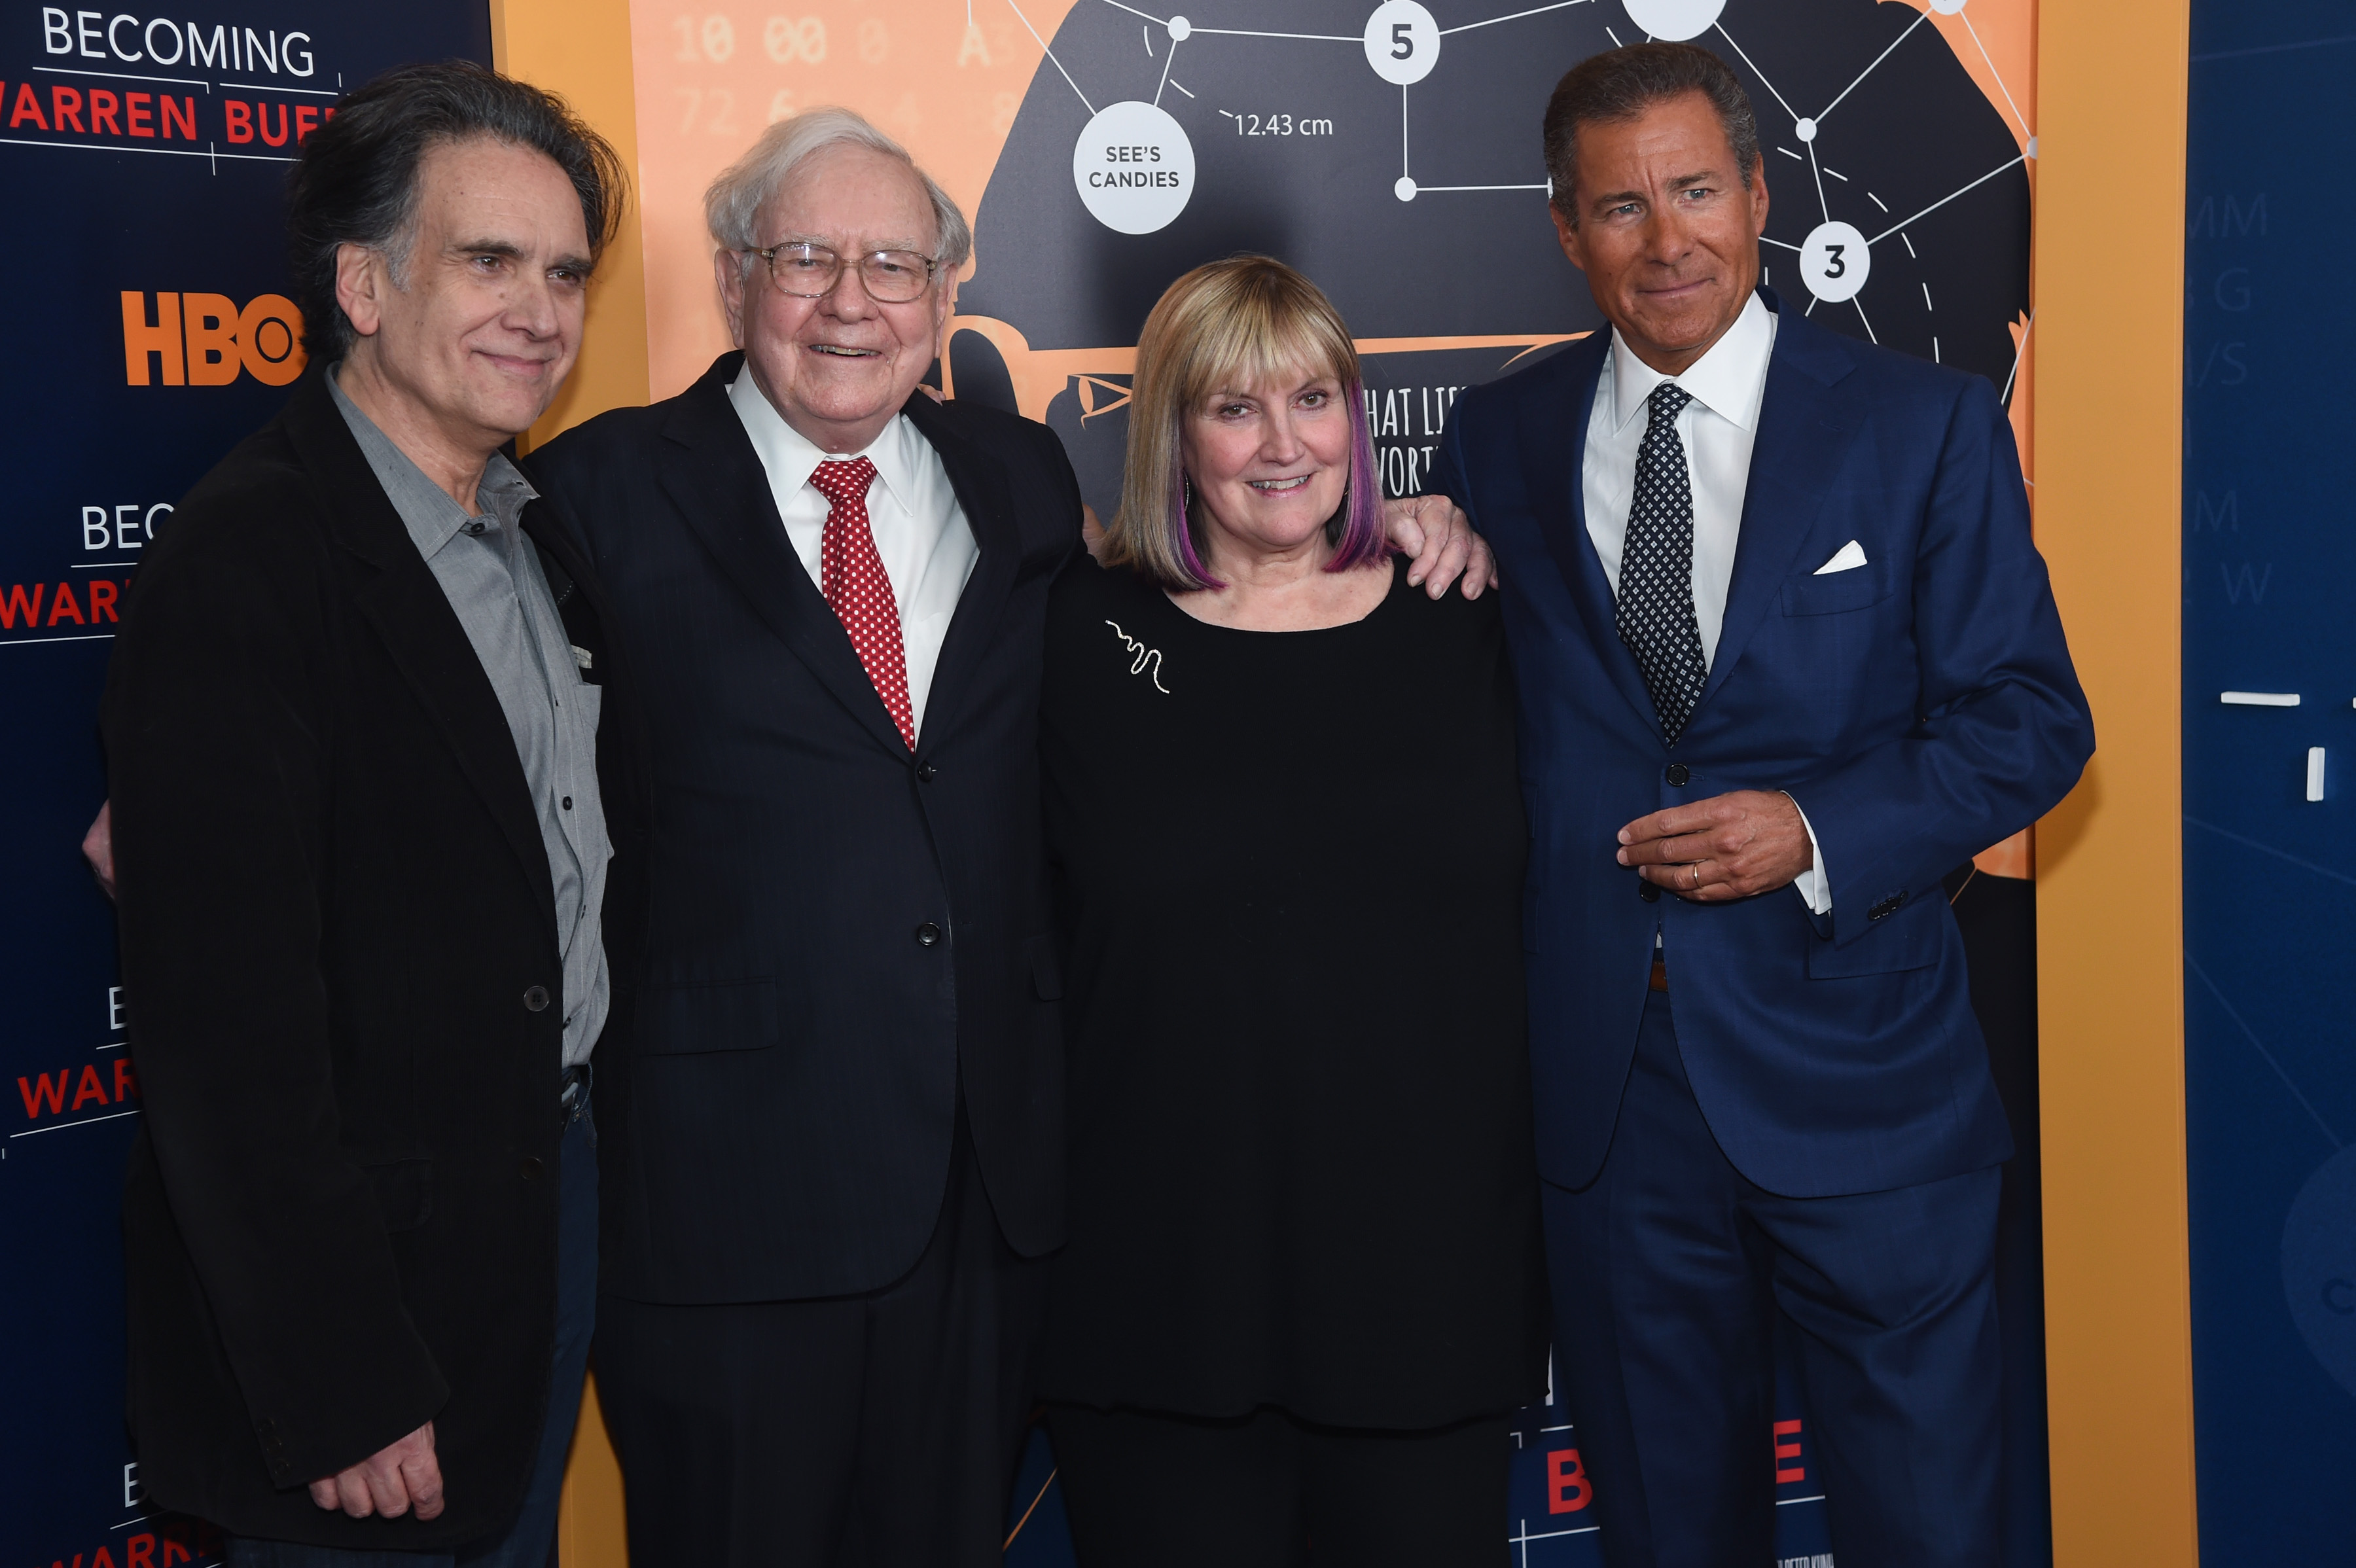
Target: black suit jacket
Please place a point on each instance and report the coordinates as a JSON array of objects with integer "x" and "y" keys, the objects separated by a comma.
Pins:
[
  {"x": 842, "y": 936},
  {"x": 340, "y": 1214}
]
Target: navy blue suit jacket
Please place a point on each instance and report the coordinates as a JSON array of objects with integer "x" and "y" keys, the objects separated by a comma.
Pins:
[{"x": 1918, "y": 709}]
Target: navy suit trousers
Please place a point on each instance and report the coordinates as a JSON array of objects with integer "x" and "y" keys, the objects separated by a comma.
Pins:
[{"x": 1668, "y": 1272}]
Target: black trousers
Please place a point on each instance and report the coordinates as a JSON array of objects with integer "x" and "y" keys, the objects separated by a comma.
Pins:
[
  {"x": 1269, "y": 1491},
  {"x": 876, "y": 1431},
  {"x": 1670, "y": 1271}
]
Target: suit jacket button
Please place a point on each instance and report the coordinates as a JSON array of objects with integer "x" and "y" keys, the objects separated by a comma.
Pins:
[
  {"x": 928, "y": 935},
  {"x": 1647, "y": 892},
  {"x": 531, "y": 1170},
  {"x": 536, "y": 999},
  {"x": 924, "y": 773},
  {"x": 1678, "y": 774}
]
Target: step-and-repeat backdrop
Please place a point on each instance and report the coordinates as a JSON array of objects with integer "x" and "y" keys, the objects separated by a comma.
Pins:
[
  {"x": 1101, "y": 148},
  {"x": 142, "y": 165}
]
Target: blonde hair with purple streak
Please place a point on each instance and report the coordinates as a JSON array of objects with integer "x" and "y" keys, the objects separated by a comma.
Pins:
[{"x": 1245, "y": 321}]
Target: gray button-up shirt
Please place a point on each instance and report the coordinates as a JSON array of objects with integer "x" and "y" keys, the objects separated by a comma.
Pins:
[{"x": 491, "y": 574}]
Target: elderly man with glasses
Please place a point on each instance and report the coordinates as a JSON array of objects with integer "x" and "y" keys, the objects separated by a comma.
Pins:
[{"x": 834, "y": 1150}]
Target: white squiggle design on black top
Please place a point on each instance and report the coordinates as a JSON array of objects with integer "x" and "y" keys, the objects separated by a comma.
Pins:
[{"x": 1146, "y": 657}]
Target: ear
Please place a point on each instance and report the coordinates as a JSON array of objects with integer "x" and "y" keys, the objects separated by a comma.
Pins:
[
  {"x": 1759, "y": 197},
  {"x": 363, "y": 282},
  {"x": 728, "y": 271},
  {"x": 1571, "y": 237}
]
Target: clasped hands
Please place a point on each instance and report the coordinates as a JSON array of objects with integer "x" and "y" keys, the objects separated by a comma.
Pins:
[{"x": 1735, "y": 845}]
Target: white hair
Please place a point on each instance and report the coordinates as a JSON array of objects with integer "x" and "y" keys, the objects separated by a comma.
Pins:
[{"x": 733, "y": 206}]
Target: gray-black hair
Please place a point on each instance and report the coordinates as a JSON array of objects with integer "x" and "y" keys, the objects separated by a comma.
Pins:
[
  {"x": 1619, "y": 85},
  {"x": 733, "y": 206},
  {"x": 355, "y": 182}
]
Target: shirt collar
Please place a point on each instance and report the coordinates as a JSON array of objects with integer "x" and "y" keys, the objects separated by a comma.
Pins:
[
  {"x": 1730, "y": 380},
  {"x": 789, "y": 457},
  {"x": 426, "y": 508}
]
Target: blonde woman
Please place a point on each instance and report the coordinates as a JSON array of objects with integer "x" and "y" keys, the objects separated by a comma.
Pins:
[{"x": 1303, "y": 1287}]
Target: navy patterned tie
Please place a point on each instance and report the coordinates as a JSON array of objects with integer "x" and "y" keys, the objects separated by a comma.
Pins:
[{"x": 1655, "y": 614}]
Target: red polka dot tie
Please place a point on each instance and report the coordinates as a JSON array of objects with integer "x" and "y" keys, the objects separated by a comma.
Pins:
[{"x": 852, "y": 575}]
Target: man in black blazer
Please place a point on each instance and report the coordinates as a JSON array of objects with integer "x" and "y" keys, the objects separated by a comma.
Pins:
[
  {"x": 833, "y": 1156},
  {"x": 362, "y": 782}
]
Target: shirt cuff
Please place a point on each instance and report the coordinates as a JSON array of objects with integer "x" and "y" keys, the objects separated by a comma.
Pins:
[{"x": 1815, "y": 889}]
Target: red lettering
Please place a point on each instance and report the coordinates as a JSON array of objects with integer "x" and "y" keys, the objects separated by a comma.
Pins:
[
  {"x": 139, "y": 1552},
  {"x": 307, "y": 119},
  {"x": 126, "y": 1080},
  {"x": 41, "y": 1090},
  {"x": 143, "y": 124},
  {"x": 180, "y": 112},
  {"x": 65, "y": 604},
  {"x": 261, "y": 113},
  {"x": 65, "y": 107},
  {"x": 176, "y": 1547},
  {"x": 101, "y": 600},
  {"x": 1568, "y": 1487},
  {"x": 238, "y": 115},
  {"x": 104, "y": 1556},
  {"x": 89, "y": 1088},
  {"x": 27, "y": 108},
  {"x": 1788, "y": 1451},
  {"x": 14, "y": 605},
  {"x": 102, "y": 106}
]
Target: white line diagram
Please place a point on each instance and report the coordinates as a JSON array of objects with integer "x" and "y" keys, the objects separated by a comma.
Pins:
[{"x": 1134, "y": 167}]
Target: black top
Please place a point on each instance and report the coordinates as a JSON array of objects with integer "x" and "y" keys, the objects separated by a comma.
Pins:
[
  {"x": 336, "y": 915},
  {"x": 1288, "y": 868},
  {"x": 844, "y": 938}
]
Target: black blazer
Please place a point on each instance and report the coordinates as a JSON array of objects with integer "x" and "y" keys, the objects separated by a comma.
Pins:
[
  {"x": 841, "y": 936},
  {"x": 340, "y": 1214}
]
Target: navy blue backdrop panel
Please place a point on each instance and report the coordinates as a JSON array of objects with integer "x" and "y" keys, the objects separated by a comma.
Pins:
[
  {"x": 2270, "y": 781},
  {"x": 143, "y": 160},
  {"x": 1299, "y": 145}
]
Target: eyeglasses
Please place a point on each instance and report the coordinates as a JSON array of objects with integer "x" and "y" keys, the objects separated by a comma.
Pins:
[{"x": 810, "y": 272}]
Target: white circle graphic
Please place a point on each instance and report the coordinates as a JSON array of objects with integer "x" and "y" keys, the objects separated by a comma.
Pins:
[
  {"x": 1673, "y": 19},
  {"x": 1404, "y": 189},
  {"x": 1181, "y": 29},
  {"x": 1946, "y": 8},
  {"x": 1835, "y": 261},
  {"x": 1133, "y": 168},
  {"x": 1402, "y": 42},
  {"x": 1805, "y": 130}
]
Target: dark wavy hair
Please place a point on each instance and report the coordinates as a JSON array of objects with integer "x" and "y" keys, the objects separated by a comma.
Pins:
[
  {"x": 355, "y": 182},
  {"x": 1619, "y": 85}
]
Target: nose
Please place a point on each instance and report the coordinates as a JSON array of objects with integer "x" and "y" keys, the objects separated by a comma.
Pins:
[
  {"x": 848, "y": 300},
  {"x": 1667, "y": 236},
  {"x": 531, "y": 304},
  {"x": 1282, "y": 441}
]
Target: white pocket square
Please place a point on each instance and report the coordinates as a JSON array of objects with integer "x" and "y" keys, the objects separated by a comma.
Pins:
[{"x": 1847, "y": 558}]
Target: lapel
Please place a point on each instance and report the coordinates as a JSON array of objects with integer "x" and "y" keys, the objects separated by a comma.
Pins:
[
  {"x": 978, "y": 476},
  {"x": 401, "y": 600},
  {"x": 1812, "y": 410},
  {"x": 1559, "y": 408},
  {"x": 713, "y": 476}
]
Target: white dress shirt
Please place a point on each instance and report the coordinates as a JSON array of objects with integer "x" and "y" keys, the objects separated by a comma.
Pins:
[
  {"x": 1716, "y": 428},
  {"x": 928, "y": 547}
]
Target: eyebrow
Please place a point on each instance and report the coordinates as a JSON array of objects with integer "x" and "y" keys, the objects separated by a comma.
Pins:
[{"x": 862, "y": 247}]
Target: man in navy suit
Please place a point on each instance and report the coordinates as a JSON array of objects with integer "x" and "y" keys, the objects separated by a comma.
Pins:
[{"x": 1787, "y": 654}]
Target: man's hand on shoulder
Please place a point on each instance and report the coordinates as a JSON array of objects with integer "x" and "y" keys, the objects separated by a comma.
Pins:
[
  {"x": 1737, "y": 845},
  {"x": 391, "y": 1481},
  {"x": 1436, "y": 534}
]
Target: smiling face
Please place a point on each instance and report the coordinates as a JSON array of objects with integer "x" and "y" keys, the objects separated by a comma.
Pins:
[
  {"x": 1665, "y": 232},
  {"x": 473, "y": 342},
  {"x": 838, "y": 368},
  {"x": 1269, "y": 464}
]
